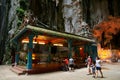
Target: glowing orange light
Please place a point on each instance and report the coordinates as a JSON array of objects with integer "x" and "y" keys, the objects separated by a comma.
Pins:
[
  {"x": 81, "y": 48},
  {"x": 34, "y": 42},
  {"x": 58, "y": 44},
  {"x": 104, "y": 54}
]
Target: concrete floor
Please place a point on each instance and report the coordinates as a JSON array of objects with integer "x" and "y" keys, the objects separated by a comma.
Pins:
[{"x": 111, "y": 71}]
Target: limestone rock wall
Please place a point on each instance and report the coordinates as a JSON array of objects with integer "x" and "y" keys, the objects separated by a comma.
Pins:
[{"x": 72, "y": 14}]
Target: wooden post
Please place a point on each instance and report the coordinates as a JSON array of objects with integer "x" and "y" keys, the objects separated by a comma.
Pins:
[
  {"x": 30, "y": 48},
  {"x": 94, "y": 52},
  {"x": 70, "y": 48},
  {"x": 49, "y": 54},
  {"x": 17, "y": 53}
]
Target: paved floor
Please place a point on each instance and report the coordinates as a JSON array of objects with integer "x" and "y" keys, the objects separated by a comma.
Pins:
[{"x": 111, "y": 71}]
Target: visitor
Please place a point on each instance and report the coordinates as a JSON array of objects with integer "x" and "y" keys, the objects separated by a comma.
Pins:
[
  {"x": 89, "y": 61},
  {"x": 66, "y": 62},
  {"x": 98, "y": 67},
  {"x": 93, "y": 69},
  {"x": 71, "y": 64}
]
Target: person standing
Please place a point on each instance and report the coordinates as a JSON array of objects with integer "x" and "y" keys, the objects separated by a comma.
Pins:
[
  {"x": 89, "y": 62},
  {"x": 98, "y": 67},
  {"x": 66, "y": 62},
  {"x": 71, "y": 64}
]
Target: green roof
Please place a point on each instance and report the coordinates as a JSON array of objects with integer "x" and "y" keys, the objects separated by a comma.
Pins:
[{"x": 38, "y": 30}]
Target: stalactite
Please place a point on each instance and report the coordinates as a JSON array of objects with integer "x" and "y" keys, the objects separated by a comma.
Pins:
[
  {"x": 49, "y": 12},
  {"x": 60, "y": 21},
  {"x": 110, "y": 7},
  {"x": 53, "y": 13},
  {"x": 86, "y": 11},
  {"x": 118, "y": 8}
]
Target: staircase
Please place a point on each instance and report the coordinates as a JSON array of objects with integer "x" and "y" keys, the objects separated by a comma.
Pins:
[{"x": 18, "y": 70}]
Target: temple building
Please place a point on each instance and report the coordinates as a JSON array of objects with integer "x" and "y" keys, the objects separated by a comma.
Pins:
[{"x": 43, "y": 50}]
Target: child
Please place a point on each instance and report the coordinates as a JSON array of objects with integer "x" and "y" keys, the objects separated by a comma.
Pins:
[{"x": 93, "y": 69}]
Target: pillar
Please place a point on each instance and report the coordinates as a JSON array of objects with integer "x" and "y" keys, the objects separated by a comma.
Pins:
[
  {"x": 70, "y": 48},
  {"x": 94, "y": 52},
  {"x": 30, "y": 48},
  {"x": 17, "y": 53},
  {"x": 49, "y": 54}
]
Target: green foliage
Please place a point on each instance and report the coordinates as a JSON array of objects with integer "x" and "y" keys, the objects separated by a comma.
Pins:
[
  {"x": 7, "y": 55},
  {"x": 20, "y": 13},
  {"x": 23, "y": 4},
  {"x": 19, "y": 22}
]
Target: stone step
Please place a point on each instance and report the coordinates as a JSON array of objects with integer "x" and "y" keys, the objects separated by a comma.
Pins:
[{"x": 17, "y": 70}]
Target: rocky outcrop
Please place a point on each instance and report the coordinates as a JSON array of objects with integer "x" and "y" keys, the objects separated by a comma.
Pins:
[
  {"x": 72, "y": 16},
  {"x": 73, "y": 19},
  {"x": 8, "y": 24},
  {"x": 3, "y": 27},
  {"x": 12, "y": 17}
]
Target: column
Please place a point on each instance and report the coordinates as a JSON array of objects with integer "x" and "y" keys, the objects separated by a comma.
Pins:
[
  {"x": 87, "y": 49},
  {"x": 17, "y": 53},
  {"x": 30, "y": 48},
  {"x": 49, "y": 54},
  {"x": 70, "y": 48},
  {"x": 94, "y": 52}
]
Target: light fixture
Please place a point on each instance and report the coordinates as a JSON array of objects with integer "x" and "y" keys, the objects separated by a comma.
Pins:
[
  {"x": 58, "y": 44},
  {"x": 34, "y": 42},
  {"x": 23, "y": 41},
  {"x": 81, "y": 48},
  {"x": 33, "y": 58},
  {"x": 42, "y": 43}
]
